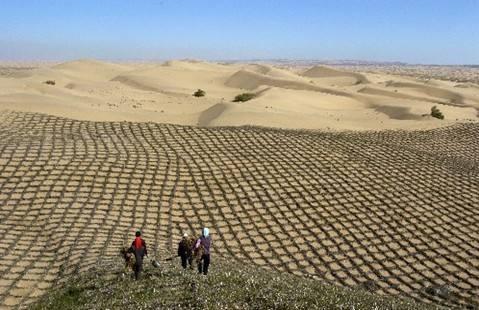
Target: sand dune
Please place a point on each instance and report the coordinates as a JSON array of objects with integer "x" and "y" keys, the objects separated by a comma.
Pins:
[
  {"x": 273, "y": 72},
  {"x": 181, "y": 78},
  {"x": 392, "y": 94},
  {"x": 207, "y": 116},
  {"x": 140, "y": 83},
  {"x": 452, "y": 97},
  {"x": 328, "y": 73},
  {"x": 196, "y": 65},
  {"x": 91, "y": 69},
  {"x": 467, "y": 85},
  {"x": 398, "y": 113},
  {"x": 143, "y": 164},
  {"x": 318, "y": 98},
  {"x": 250, "y": 81}
]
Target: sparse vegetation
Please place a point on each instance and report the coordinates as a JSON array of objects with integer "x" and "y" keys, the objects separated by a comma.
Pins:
[
  {"x": 244, "y": 97},
  {"x": 199, "y": 93},
  {"x": 435, "y": 112},
  {"x": 50, "y": 82},
  {"x": 228, "y": 286}
]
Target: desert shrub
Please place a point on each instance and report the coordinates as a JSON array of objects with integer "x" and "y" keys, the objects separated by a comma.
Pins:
[
  {"x": 50, "y": 82},
  {"x": 199, "y": 93},
  {"x": 244, "y": 97},
  {"x": 435, "y": 112}
]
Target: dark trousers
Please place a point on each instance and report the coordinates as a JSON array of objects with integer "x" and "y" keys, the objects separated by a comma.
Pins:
[
  {"x": 204, "y": 264},
  {"x": 138, "y": 268},
  {"x": 139, "y": 262},
  {"x": 186, "y": 260}
]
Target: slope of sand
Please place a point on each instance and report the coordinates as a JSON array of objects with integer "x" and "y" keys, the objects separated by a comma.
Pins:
[
  {"x": 330, "y": 75},
  {"x": 394, "y": 212},
  {"x": 317, "y": 98}
]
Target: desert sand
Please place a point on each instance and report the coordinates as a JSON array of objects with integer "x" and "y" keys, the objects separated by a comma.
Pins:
[
  {"x": 393, "y": 212},
  {"x": 318, "y": 97},
  {"x": 113, "y": 147}
]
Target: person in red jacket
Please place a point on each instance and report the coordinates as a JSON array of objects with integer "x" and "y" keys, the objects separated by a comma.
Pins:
[{"x": 138, "y": 247}]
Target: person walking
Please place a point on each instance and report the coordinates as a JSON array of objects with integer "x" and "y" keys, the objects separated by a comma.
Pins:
[
  {"x": 185, "y": 251},
  {"x": 204, "y": 242},
  {"x": 138, "y": 248}
]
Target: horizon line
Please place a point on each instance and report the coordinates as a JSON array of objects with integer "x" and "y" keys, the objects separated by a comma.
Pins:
[{"x": 239, "y": 60}]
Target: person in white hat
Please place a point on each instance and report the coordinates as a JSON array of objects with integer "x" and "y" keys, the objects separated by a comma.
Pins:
[{"x": 203, "y": 246}]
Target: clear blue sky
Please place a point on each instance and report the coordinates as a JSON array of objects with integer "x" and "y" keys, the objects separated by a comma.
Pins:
[{"x": 416, "y": 31}]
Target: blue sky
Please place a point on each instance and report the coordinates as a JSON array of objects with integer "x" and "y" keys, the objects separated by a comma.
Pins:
[{"x": 415, "y": 31}]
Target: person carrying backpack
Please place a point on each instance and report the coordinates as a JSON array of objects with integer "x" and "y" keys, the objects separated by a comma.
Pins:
[
  {"x": 185, "y": 251},
  {"x": 138, "y": 248},
  {"x": 204, "y": 242}
]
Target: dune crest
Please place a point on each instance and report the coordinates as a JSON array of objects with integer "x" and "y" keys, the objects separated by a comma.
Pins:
[
  {"x": 194, "y": 65},
  {"x": 452, "y": 97},
  {"x": 318, "y": 98},
  {"x": 392, "y": 94},
  {"x": 272, "y": 71},
  {"x": 138, "y": 83},
  {"x": 326, "y": 72},
  {"x": 91, "y": 69},
  {"x": 250, "y": 80}
]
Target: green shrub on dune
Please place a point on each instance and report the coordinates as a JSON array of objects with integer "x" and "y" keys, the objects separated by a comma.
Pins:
[
  {"x": 244, "y": 97},
  {"x": 199, "y": 93},
  {"x": 435, "y": 112}
]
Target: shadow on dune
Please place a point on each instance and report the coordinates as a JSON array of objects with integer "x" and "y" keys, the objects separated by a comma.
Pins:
[
  {"x": 390, "y": 94},
  {"x": 251, "y": 80},
  {"x": 132, "y": 82},
  {"x": 208, "y": 115},
  {"x": 400, "y": 113},
  {"x": 452, "y": 97},
  {"x": 325, "y": 72}
]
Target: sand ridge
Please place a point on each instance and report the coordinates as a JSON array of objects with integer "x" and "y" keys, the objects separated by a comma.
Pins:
[
  {"x": 313, "y": 98},
  {"x": 323, "y": 72}
]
